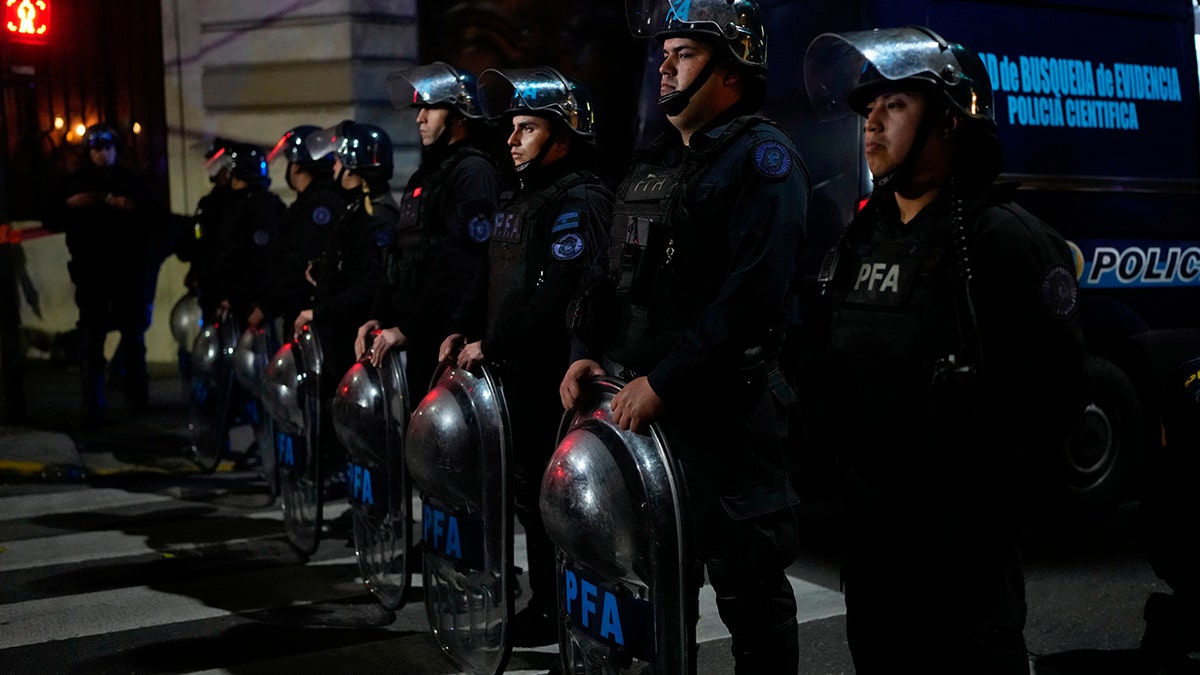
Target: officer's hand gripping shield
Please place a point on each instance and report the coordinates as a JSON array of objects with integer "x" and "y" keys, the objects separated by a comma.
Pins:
[
  {"x": 290, "y": 394},
  {"x": 370, "y": 417},
  {"x": 250, "y": 360},
  {"x": 612, "y": 502},
  {"x": 458, "y": 456},
  {"x": 212, "y": 384}
]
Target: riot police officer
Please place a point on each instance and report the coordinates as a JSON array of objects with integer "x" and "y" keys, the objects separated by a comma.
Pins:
[
  {"x": 957, "y": 353},
  {"x": 547, "y": 241},
  {"x": 200, "y": 245},
  {"x": 247, "y": 237},
  {"x": 435, "y": 259},
  {"x": 707, "y": 228},
  {"x": 307, "y": 223},
  {"x": 105, "y": 210}
]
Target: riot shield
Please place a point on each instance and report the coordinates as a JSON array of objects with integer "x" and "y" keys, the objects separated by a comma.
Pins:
[
  {"x": 210, "y": 400},
  {"x": 458, "y": 457},
  {"x": 290, "y": 394},
  {"x": 612, "y": 502},
  {"x": 370, "y": 417},
  {"x": 250, "y": 359}
]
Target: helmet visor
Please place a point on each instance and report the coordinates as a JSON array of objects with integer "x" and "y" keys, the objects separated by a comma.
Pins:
[
  {"x": 523, "y": 89},
  {"x": 321, "y": 143},
  {"x": 835, "y": 63},
  {"x": 648, "y": 18},
  {"x": 220, "y": 161},
  {"x": 433, "y": 84}
]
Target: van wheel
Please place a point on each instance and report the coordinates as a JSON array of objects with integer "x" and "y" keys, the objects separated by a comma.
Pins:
[{"x": 1104, "y": 451}]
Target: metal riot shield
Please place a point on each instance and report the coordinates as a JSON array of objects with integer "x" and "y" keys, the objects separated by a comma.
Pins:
[
  {"x": 458, "y": 456},
  {"x": 370, "y": 417},
  {"x": 290, "y": 393},
  {"x": 250, "y": 359},
  {"x": 612, "y": 502},
  {"x": 210, "y": 399}
]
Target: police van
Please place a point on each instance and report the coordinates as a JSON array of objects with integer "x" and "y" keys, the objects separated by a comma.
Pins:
[{"x": 1096, "y": 104}]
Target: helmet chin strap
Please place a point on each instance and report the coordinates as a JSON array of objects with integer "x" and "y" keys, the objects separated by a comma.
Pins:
[
  {"x": 675, "y": 102},
  {"x": 542, "y": 152},
  {"x": 902, "y": 175}
]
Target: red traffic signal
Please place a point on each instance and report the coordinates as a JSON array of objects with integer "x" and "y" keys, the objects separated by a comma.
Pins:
[{"x": 27, "y": 20}]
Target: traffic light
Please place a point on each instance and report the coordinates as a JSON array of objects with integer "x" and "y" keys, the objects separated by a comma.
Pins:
[{"x": 27, "y": 21}]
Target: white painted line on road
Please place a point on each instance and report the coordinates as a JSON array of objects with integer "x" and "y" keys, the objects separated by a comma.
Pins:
[{"x": 72, "y": 501}]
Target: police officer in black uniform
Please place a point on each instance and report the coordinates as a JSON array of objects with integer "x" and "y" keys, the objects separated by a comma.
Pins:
[
  {"x": 200, "y": 245},
  {"x": 956, "y": 355},
  {"x": 105, "y": 210},
  {"x": 547, "y": 241},
  {"x": 350, "y": 269},
  {"x": 306, "y": 223},
  {"x": 440, "y": 251},
  {"x": 708, "y": 225},
  {"x": 247, "y": 237}
]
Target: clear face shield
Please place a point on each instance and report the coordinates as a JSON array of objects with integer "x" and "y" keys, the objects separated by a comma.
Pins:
[
  {"x": 221, "y": 161},
  {"x": 432, "y": 84},
  {"x": 836, "y": 63},
  {"x": 535, "y": 90},
  {"x": 325, "y": 141}
]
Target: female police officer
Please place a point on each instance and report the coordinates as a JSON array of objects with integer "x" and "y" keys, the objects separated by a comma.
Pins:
[{"x": 956, "y": 342}]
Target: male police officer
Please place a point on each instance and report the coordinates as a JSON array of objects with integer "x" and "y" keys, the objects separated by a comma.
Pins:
[
  {"x": 200, "y": 244},
  {"x": 708, "y": 226},
  {"x": 104, "y": 209},
  {"x": 968, "y": 304},
  {"x": 546, "y": 241},
  {"x": 247, "y": 237},
  {"x": 434, "y": 260},
  {"x": 306, "y": 223}
]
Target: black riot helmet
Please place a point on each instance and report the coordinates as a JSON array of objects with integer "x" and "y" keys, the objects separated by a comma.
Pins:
[
  {"x": 434, "y": 85},
  {"x": 539, "y": 91},
  {"x": 543, "y": 92},
  {"x": 217, "y": 159},
  {"x": 734, "y": 27},
  {"x": 845, "y": 72},
  {"x": 364, "y": 149},
  {"x": 101, "y": 136},
  {"x": 291, "y": 147},
  {"x": 249, "y": 163}
]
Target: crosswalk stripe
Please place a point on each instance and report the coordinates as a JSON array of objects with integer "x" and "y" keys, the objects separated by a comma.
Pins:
[{"x": 73, "y": 501}]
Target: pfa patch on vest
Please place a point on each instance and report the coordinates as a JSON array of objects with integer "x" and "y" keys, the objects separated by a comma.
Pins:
[
  {"x": 321, "y": 216},
  {"x": 567, "y": 247},
  {"x": 772, "y": 159},
  {"x": 1059, "y": 291}
]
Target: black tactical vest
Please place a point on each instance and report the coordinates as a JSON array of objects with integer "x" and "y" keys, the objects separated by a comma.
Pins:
[
  {"x": 646, "y": 237},
  {"x": 519, "y": 242},
  {"x": 420, "y": 229}
]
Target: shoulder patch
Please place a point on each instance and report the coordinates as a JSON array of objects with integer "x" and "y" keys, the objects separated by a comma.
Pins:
[
  {"x": 479, "y": 228},
  {"x": 567, "y": 247},
  {"x": 261, "y": 237},
  {"x": 1059, "y": 292},
  {"x": 772, "y": 159},
  {"x": 321, "y": 215},
  {"x": 565, "y": 221},
  {"x": 384, "y": 236}
]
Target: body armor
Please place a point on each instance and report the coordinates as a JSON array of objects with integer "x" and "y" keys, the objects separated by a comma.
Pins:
[
  {"x": 520, "y": 238},
  {"x": 420, "y": 230}
]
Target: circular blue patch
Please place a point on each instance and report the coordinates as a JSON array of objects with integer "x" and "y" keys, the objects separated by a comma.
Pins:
[
  {"x": 383, "y": 236},
  {"x": 772, "y": 159},
  {"x": 261, "y": 237},
  {"x": 321, "y": 215},
  {"x": 1060, "y": 292},
  {"x": 480, "y": 228},
  {"x": 567, "y": 247}
]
